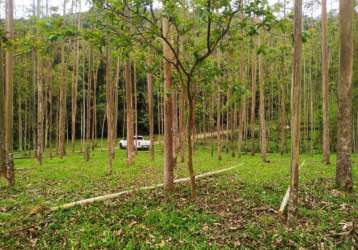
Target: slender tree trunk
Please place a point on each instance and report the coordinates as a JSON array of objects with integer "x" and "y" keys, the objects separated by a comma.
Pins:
[
  {"x": 283, "y": 143},
  {"x": 116, "y": 99},
  {"x": 263, "y": 135},
  {"x": 110, "y": 111},
  {"x": 168, "y": 113},
  {"x": 218, "y": 123},
  {"x": 74, "y": 96},
  {"x": 344, "y": 114},
  {"x": 135, "y": 105},
  {"x": 9, "y": 27},
  {"x": 182, "y": 126},
  {"x": 253, "y": 101},
  {"x": 3, "y": 169},
  {"x": 295, "y": 108},
  {"x": 20, "y": 123},
  {"x": 150, "y": 111},
  {"x": 61, "y": 120},
  {"x": 40, "y": 113},
  {"x": 88, "y": 126},
  {"x": 191, "y": 125},
  {"x": 129, "y": 105},
  {"x": 94, "y": 107},
  {"x": 325, "y": 80}
]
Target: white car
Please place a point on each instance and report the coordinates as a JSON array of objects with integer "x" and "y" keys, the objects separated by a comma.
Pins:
[{"x": 139, "y": 143}]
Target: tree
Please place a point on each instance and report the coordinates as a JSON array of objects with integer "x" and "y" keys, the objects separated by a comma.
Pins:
[
  {"x": 263, "y": 134},
  {"x": 295, "y": 107},
  {"x": 62, "y": 101},
  {"x": 344, "y": 88},
  {"x": 130, "y": 114},
  {"x": 8, "y": 118},
  {"x": 110, "y": 85},
  {"x": 325, "y": 86},
  {"x": 215, "y": 17},
  {"x": 150, "y": 109},
  {"x": 168, "y": 110}
]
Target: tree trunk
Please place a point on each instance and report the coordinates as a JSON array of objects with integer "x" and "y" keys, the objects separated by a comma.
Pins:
[
  {"x": 61, "y": 120},
  {"x": 74, "y": 96},
  {"x": 40, "y": 113},
  {"x": 3, "y": 170},
  {"x": 253, "y": 101},
  {"x": 110, "y": 111},
  {"x": 295, "y": 107},
  {"x": 182, "y": 125},
  {"x": 129, "y": 105},
  {"x": 190, "y": 143},
  {"x": 263, "y": 136},
  {"x": 150, "y": 111},
  {"x": 218, "y": 123},
  {"x": 9, "y": 27},
  {"x": 168, "y": 113},
  {"x": 325, "y": 82},
  {"x": 344, "y": 114}
]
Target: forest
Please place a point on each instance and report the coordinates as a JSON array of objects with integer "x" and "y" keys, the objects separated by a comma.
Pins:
[{"x": 179, "y": 124}]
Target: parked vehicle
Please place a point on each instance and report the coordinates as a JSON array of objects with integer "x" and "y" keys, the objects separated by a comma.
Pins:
[{"x": 139, "y": 143}]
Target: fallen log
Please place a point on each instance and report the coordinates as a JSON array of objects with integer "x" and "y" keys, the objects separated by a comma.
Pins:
[
  {"x": 287, "y": 195},
  {"x": 116, "y": 195}
]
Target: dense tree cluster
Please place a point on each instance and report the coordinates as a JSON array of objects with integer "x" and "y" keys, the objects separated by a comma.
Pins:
[{"x": 179, "y": 69}]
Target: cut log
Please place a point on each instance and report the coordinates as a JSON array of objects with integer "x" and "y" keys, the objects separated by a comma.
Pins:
[
  {"x": 287, "y": 195},
  {"x": 116, "y": 195}
]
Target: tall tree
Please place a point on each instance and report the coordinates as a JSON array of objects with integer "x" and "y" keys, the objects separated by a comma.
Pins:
[
  {"x": 62, "y": 104},
  {"x": 110, "y": 85},
  {"x": 344, "y": 88},
  {"x": 253, "y": 100},
  {"x": 168, "y": 111},
  {"x": 130, "y": 114},
  {"x": 150, "y": 109},
  {"x": 9, "y": 26},
  {"x": 40, "y": 113},
  {"x": 295, "y": 107},
  {"x": 263, "y": 133},
  {"x": 325, "y": 82}
]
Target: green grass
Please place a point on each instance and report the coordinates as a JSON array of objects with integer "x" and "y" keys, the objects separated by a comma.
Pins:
[{"x": 234, "y": 210}]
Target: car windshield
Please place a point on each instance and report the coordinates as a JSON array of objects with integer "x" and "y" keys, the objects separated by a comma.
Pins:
[{"x": 138, "y": 137}]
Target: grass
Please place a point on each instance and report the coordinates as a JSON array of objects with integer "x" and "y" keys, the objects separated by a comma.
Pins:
[{"x": 234, "y": 210}]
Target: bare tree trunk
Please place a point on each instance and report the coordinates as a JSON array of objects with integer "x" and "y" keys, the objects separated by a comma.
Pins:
[
  {"x": 190, "y": 143},
  {"x": 218, "y": 123},
  {"x": 295, "y": 108},
  {"x": 182, "y": 126},
  {"x": 9, "y": 27},
  {"x": 116, "y": 99},
  {"x": 344, "y": 114},
  {"x": 283, "y": 143},
  {"x": 110, "y": 111},
  {"x": 253, "y": 101},
  {"x": 150, "y": 111},
  {"x": 40, "y": 113},
  {"x": 3, "y": 169},
  {"x": 135, "y": 105},
  {"x": 94, "y": 108},
  {"x": 74, "y": 96},
  {"x": 263, "y": 136},
  {"x": 168, "y": 113},
  {"x": 129, "y": 105},
  {"x": 61, "y": 120},
  {"x": 20, "y": 123},
  {"x": 325, "y": 87},
  {"x": 88, "y": 126}
]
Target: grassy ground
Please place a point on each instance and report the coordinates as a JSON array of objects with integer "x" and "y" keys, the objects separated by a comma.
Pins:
[{"x": 234, "y": 210}]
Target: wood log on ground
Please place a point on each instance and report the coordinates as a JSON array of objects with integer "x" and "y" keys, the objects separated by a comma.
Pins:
[{"x": 116, "y": 195}]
